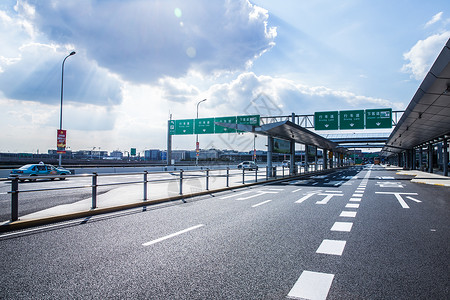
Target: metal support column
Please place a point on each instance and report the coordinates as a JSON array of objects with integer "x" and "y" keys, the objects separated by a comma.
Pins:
[
  {"x": 325, "y": 158},
  {"x": 420, "y": 159},
  {"x": 169, "y": 145},
  {"x": 430, "y": 158},
  {"x": 445, "y": 158},
  {"x": 292, "y": 160},
  {"x": 269, "y": 156}
]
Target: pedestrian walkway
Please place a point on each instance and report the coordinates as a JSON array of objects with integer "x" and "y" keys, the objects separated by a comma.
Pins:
[{"x": 426, "y": 178}]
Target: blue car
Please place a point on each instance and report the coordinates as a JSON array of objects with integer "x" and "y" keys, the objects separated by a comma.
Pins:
[{"x": 27, "y": 172}]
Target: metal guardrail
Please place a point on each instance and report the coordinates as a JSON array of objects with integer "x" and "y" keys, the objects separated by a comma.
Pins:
[{"x": 15, "y": 191}]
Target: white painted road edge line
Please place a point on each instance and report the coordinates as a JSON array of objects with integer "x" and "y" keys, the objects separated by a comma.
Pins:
[
  {"x": 261, "y": 203},
  {"x": 238, "y": 194},
  {"x": 311, "y": 285},
  {"x": 172, "y": 235}
]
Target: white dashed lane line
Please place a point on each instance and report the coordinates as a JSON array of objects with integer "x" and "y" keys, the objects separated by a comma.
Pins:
[
  {"x": 172, "y": 235},
  {"x": 312, "y": 285},
  {"x": 342, "y": 226},
  {"x": 261, "y": 203},
  {"x": 331, "y": 247},
  {"x": 348, "y": 214}
]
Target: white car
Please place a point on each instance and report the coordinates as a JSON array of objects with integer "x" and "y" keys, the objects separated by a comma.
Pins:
[{"x": 248, "y": 165}]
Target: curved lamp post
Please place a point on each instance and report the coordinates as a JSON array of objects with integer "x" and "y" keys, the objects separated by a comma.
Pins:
[
  {"x": 197, "y": 148},
  {"x": 62, "y": 88}
]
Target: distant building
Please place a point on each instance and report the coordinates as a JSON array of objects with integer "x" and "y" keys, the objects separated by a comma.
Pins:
[
  {"x": 152, "y": 154},
  {"x": 116, "y": 154}
]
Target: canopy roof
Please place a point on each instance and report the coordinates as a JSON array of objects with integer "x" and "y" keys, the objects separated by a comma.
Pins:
[
  {"x": 427, "y": 116},
  {"x": 287, "y": 130}
]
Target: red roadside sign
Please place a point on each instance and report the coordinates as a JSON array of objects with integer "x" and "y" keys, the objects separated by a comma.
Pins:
[{"x": 60, "y": 141}]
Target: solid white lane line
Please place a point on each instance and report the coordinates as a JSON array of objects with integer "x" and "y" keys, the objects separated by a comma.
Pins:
[
  {"x": 339, "y": 192},
  {"x": 275, "y": 189},
  {"x": 342, "y": 226},
  {"x": 238, "y": 194},
  {"x": 352, "y": 205},
  {"x": 172, "y": 235},
  {"x": 295, "y": 191},
  {"x": 312, "y": 285},
  {"x": 331, "y": 247},
  {"x": 355, "y": 199},
  {"x": 261, "y": 203},
  {"x": 348, "y": 214}
]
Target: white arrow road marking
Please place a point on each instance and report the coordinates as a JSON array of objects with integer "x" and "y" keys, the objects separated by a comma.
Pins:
[
  {"x": 413, "y": 199},
  {"x": 399, "y": 197},
  {"x": 327, "y": 198},
  {"x": 307, "y": 196}
]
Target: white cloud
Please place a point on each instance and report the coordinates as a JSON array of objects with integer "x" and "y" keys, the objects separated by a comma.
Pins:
[
  {"x": 436, "y": 18},
  {"x": 143, "y": 41},
  {"x": 422, "y": 55}
]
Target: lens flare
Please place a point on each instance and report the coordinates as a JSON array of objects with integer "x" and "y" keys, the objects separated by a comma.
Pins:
[{"x": 177, "y": 12}]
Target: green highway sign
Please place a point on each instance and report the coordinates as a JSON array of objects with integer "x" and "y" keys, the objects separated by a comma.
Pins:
[
  {"x": 248, "y": 120},
  {"x": 326, "y": 120},
  {"x": 203, "y": 126},
  {"x": 378, "y": 118},
  {"x": 351, "y": 119},
  {"x": 185, "y": 126},
  {"x": 206, "y": 125},
  {"x": 221, "y": 129}
]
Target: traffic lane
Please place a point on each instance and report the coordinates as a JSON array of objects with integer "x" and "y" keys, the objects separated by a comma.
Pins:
[
  {"x": 241, "y": 252},
  {"x": 397, "y": 252}
]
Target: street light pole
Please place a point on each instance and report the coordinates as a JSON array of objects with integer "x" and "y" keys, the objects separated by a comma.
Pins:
[
  {"x": 197, "y": 148},
  {"x": 62, "y": 87}
]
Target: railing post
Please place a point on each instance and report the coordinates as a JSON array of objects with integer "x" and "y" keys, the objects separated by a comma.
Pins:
[
  {"x": 243, "y": 175},
  {"x": 207, "y": 179},
  {"x": 228, "y": 176},
  {"x": 256, "y": 175},
  {"x": 145, "y": 185},
  {"x": 15, "y": 199},
  {"x": 94, "y": 190},
  {"x": 181, "y": 181},
  {"x": 283, "y": 170}
]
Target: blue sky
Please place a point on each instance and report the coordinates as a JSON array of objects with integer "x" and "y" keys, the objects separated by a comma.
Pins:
[{"x": 139, "y": 61}]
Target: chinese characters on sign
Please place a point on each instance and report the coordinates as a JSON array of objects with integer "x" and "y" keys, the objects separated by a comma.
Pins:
[
  {"x": 353, "y": 119},
  {"x": 207, "y": 125}
]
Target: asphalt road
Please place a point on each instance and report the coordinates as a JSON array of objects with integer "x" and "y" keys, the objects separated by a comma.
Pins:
[{"x": 353, "y": 234}]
